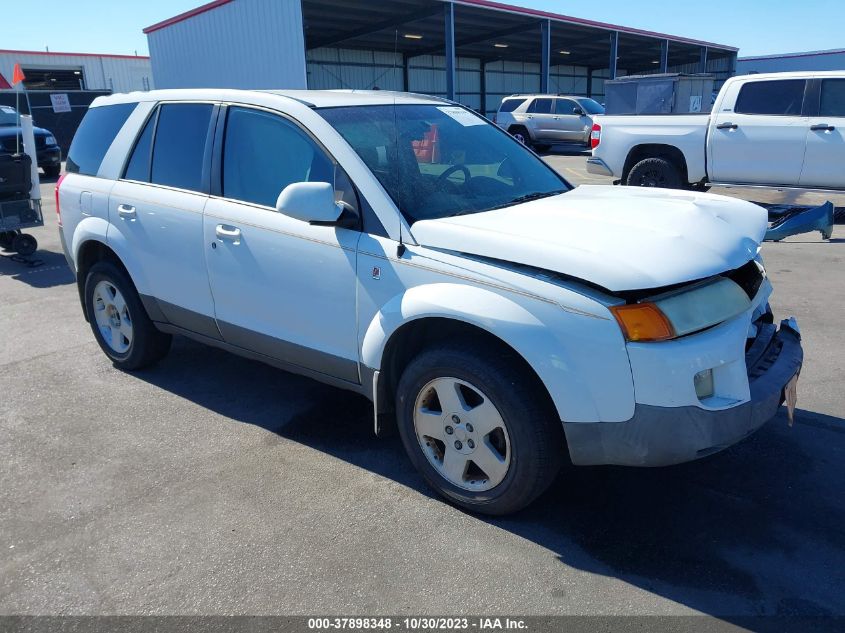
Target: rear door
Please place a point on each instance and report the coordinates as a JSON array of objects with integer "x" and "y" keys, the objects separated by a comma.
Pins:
[
  {"x": 157, "y": 205},
  {"x": 761, "y": 141},
  {"x": 540, "y": 119},
  {"x": 824, "y": 159}
]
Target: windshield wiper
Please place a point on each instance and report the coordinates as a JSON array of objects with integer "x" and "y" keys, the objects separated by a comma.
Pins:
[{"x": 528, "y": 197}]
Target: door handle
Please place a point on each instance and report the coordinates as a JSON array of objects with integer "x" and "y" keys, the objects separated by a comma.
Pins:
[
  {"x": 126, "y": 211},
  {"x": 225, "y": 232},
  {"x": 727, "y": 126},
  {"x": 822, "y": 127}
]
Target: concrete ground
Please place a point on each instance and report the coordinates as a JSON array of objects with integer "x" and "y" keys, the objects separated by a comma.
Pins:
[{"x": 215, "y": 485}]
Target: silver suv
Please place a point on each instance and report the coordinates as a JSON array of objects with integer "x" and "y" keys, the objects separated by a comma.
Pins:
[{"x": 541, "y": 120}]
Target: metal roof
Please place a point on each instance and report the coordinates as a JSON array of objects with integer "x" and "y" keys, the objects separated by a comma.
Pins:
[{"x": 480, "y": 25}]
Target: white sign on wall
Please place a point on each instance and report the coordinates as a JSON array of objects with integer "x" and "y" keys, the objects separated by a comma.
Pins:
[
  {"x": 60, "y": 103},
  {"x": 695, "y": 104}
]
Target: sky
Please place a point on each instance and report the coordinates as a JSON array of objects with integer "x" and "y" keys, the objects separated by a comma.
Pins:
[{"x": 757, "y": 27}]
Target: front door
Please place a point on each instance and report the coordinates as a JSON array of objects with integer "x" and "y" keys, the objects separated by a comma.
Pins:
[
  {"x": 570, "y": 125},
  {"x": 824, "y": 159},
  {"x": 762, "y": 140},
  {"x": 281, "y": 287}
]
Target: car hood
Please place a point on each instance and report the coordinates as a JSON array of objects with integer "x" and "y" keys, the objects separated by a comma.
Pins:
[
  {"x": 620, "y": 238},
  {"x": 14, "y": 130}
]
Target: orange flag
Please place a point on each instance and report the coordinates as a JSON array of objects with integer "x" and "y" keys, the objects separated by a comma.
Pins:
[{"x": 17, "y": 75}]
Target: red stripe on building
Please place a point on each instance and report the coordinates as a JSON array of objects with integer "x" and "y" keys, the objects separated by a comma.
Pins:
[
  {"x": 187, "y": 14},
  {"x": 4, "y": 85}
]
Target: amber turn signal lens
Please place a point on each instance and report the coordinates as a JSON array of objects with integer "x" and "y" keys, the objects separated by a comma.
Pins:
[{"x": 643, "y": 322}]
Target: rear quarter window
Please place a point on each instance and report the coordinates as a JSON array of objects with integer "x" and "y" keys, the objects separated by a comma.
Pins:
[
  {"x": 509, "y": 105},
  {"x": 94, "y": 137}
]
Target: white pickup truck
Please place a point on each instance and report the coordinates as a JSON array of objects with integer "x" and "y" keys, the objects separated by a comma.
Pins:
[{"x": 779, "y": 129}]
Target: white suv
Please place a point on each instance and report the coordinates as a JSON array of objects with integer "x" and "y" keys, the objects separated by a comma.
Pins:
[
  {"x": 402, "y": 247},
  {"x": 542, "y": 120}
]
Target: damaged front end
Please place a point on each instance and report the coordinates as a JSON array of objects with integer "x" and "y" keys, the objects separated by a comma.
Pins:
[
  {"x": 699, "y": 392},
  {"x": 802, "y": 220}
]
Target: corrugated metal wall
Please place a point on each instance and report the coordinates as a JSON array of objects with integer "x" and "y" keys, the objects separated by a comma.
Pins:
[
  {"x": 243, "y": 44},
  {"x": 329, "y": 68},
  {"x": 118, "y": 74},
  {"x": 834, "y": 60}
]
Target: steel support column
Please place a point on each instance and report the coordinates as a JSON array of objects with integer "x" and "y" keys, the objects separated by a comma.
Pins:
[
  {"x": 546, "y": 38},
  {"x": 482, "y": 87},
  {"x": 702, "y": 62},
  {"x": 406, "y": 75},
  {"x": 449, "y": 13},
  {"x": 590, "y": 82},
  {"x": 664, "y": 56},
  {"x": 614, "y": 53}
]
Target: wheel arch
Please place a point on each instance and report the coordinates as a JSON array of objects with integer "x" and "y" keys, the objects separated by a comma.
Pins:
[
  {"x": 427, "y": 314},
  {"x": 656, "y": 150}
]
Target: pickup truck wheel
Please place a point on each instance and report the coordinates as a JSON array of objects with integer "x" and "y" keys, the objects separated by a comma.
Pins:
[
  {"x": 118, "y": 319},
  {"x": 481, "y": 432},
  {"x": 654, "y": 172}
]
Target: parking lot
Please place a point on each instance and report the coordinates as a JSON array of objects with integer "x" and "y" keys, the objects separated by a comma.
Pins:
[{"x": 211, "y": 484}]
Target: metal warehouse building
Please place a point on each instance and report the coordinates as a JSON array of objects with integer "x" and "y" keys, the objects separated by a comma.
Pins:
[
  {"x": 471, "y": 51},
  {"x": 59, "y": 86},
  {"x": 812, "y": 60},
  {"x": 77, "y": 71}
]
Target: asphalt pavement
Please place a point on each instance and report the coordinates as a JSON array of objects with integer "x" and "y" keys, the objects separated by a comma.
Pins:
[{"x": 211, "y": 484}]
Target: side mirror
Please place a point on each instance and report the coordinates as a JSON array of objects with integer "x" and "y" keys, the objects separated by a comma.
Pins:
[
  {"x": 578, "y": 111},
  {"x": 311, "y": 202}
]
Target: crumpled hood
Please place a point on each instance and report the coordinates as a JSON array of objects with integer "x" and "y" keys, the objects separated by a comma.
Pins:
[{"x": 621, "y": 238}]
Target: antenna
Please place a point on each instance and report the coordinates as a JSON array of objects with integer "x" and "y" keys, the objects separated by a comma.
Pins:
[{"x": 400, "y": 249}]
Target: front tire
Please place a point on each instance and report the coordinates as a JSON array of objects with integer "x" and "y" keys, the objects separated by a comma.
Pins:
[
  {"x": 479, "y": 427},
  {"x": 119, "y": 321},
  {"x": 654, "y": 172}
]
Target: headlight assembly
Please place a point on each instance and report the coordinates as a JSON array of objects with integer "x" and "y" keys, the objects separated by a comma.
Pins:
[{"x": 681, "y": 312}]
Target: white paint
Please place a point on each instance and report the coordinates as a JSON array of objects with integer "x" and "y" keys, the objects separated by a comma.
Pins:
[
  {"x": 29, "y": 148},
  {"x": 622, "y": 238},
  {"x": 313, "y": 287}
]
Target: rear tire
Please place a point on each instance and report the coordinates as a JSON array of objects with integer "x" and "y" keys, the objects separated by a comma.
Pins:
[
  {"x": 119, "y": 321},
  {"x": 480, "y": 429},
  {"x": 654, "y": 172},
  {"x": 521, "y": 134},
  {"x": 52, "y": 171}
]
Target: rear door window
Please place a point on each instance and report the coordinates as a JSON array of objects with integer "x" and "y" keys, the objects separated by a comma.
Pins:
[
  {"x": 94, "y": 137},
  {"x": 541, "y": 106},
  {"x": 778, "y": 98},
  {"x": 139, "y": 163},
  {"x": 832, "y": 98},
  {"x": 179, "y": 148}
]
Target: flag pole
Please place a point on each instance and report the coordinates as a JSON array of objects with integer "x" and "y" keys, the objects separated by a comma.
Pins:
[{"x": 18, "y": 110}]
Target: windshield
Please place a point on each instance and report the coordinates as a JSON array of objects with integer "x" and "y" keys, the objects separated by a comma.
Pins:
[
  {"x": 591, "y": 106},
  {"x": 437, "y": 161},
  {"x": 8, "y": 116}
]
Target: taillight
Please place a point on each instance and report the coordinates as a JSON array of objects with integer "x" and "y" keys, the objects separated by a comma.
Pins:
[
  {"x": 59, "y": 184},
  {"x": 595, "y": 136}
]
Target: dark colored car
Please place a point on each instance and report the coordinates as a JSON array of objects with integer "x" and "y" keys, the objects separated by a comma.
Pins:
[{"x": 46, "y": 149}]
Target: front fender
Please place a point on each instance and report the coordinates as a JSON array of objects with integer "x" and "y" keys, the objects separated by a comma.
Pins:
[{"x": 535, "y": 328}]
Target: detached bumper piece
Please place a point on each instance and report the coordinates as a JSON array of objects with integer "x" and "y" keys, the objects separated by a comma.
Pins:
[
  {"x": 661, "y": 436},
  {"x": 802, "y": 221},
  {"x": 598, "y": 166}
]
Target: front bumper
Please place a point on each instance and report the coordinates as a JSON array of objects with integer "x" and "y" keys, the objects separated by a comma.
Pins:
[
  {"x": 660, "y": 436},
  {"x": 49, "y": 156},
  {"x": 598, "y": 166}
]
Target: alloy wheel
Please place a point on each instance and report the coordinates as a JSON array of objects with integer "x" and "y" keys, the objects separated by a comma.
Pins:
[
  {"x": 462, "y": 434},
  {"x": 112, "y": 316}
]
